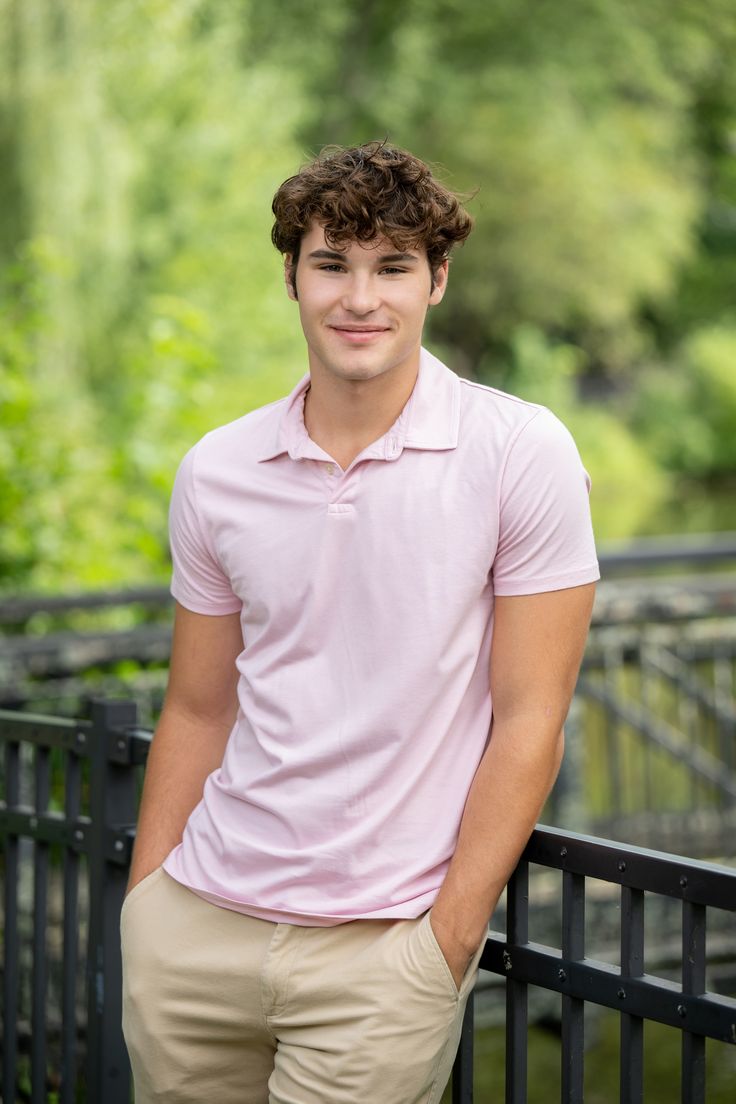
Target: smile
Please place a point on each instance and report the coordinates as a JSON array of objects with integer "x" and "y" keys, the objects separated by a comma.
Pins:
[{"x": 358, "y": 336}]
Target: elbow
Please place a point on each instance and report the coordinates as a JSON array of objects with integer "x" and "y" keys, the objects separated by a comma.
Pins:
[
  {"x": 560, "y": 750},
  {"x": 557, "y": 758}
]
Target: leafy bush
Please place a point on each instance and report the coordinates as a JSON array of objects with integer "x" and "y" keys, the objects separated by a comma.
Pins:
[{"x": 687, "y": 413}]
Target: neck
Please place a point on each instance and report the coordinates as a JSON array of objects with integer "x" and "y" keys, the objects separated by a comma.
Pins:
[{"x": 345, "y": 416}]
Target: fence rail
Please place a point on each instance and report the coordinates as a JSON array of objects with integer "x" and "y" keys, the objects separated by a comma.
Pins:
[
  {"x": 638, "y": 996},
  {"x": 70, "y": 794}
]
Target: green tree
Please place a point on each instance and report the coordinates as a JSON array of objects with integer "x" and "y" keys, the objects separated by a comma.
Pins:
[{"x": 147, "y": 156}]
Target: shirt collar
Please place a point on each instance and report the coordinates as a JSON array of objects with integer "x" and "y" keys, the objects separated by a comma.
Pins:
[{"x": 430, "y": 419}]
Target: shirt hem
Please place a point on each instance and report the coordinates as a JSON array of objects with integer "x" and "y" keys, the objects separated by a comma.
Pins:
[
  {"x": 206, "y": 608},
  {"x": 542, "y": 586},
  {"x": 408, "y": 911}
]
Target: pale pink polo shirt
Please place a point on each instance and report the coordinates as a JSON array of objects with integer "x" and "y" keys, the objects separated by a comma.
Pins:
[{"x": 366, "y": 602}]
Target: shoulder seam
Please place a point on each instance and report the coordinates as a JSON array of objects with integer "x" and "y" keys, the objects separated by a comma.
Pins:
[{"x": 496, "y": 391}]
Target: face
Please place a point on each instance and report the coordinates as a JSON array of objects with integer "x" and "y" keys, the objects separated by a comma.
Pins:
[{"x": 362, "y": 307}]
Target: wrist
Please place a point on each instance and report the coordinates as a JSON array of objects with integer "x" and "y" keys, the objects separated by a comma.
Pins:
[{"x": 462, "y": 927}]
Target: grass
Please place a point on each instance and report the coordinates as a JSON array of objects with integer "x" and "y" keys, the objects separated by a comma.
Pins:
[{"x": 661, "y": 1065}]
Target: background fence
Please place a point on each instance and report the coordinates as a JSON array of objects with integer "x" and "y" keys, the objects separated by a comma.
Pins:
[
  {"x": 69, "y": 802},
  {"x": 66, "y": 819}
]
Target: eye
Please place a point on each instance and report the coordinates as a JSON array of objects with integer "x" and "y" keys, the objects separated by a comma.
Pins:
[
  {"x": 391, "y": 270},
  {"x": 331, "y": 268}
]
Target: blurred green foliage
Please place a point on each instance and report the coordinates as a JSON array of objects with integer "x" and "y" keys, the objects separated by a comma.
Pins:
[{"x": 141, "y": 301}]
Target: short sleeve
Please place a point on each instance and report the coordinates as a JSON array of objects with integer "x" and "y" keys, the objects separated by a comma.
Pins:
[
  {"x": 545, "y": 532},
  {"x": 198, "y": 581}
]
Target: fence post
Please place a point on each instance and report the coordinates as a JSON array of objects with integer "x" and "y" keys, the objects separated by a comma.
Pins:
[{"x": 113, "y": 805}]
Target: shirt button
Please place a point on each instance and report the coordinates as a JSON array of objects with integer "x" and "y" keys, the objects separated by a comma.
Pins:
[{"x": 330, "y": 469}]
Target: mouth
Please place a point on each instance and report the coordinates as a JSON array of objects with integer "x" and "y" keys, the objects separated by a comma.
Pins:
[{"x": 358, "y": 335}]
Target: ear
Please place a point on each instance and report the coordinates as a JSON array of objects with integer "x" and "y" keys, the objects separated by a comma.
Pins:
[
  {"x": 440, "y": 283},
  {"x": 290, "y": 276}
]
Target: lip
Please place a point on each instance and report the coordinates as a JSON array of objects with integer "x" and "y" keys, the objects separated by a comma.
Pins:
[{"x": 359, "y": 336}]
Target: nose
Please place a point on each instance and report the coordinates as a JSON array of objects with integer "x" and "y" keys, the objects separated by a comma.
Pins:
[{"x": 360, "y": 294}]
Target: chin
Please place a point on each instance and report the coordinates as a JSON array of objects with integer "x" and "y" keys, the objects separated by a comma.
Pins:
[
  {"x": 350, "y": 369},
  {"x": 355, "y": 373}
]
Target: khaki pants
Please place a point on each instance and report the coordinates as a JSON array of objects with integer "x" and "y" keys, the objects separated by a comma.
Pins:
[{"x": 223, "y": 1007}]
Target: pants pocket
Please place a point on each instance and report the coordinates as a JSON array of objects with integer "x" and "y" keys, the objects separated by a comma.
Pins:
[
  {"x": 140, "y": 886},
  {"x": 435, "y": 956},
  {"x": 469, "y": 976}
]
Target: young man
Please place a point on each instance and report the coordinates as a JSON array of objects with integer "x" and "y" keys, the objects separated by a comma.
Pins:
[{"x": 383, "y": 587}]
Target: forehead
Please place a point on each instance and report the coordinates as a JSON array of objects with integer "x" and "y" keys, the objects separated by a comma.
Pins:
[{"x": 379, "y": 246}]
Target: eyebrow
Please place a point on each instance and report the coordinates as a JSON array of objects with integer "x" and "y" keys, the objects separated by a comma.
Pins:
[{"x": 384, "y": 258}]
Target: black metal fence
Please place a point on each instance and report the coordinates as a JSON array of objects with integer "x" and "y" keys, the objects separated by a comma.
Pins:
[
  {"x": 67, "y": 816},
  {"x": 70, "y": 797},
  {"x": 685, "y": 1003}
]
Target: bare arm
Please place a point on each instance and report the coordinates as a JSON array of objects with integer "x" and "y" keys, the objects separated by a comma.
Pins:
[
  {"x": 537, "y": 647},
  {"x": 190, "y": 738}
]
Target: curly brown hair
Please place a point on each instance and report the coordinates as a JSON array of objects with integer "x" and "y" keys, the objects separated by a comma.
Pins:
[{"x": 363, "y": 192}]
